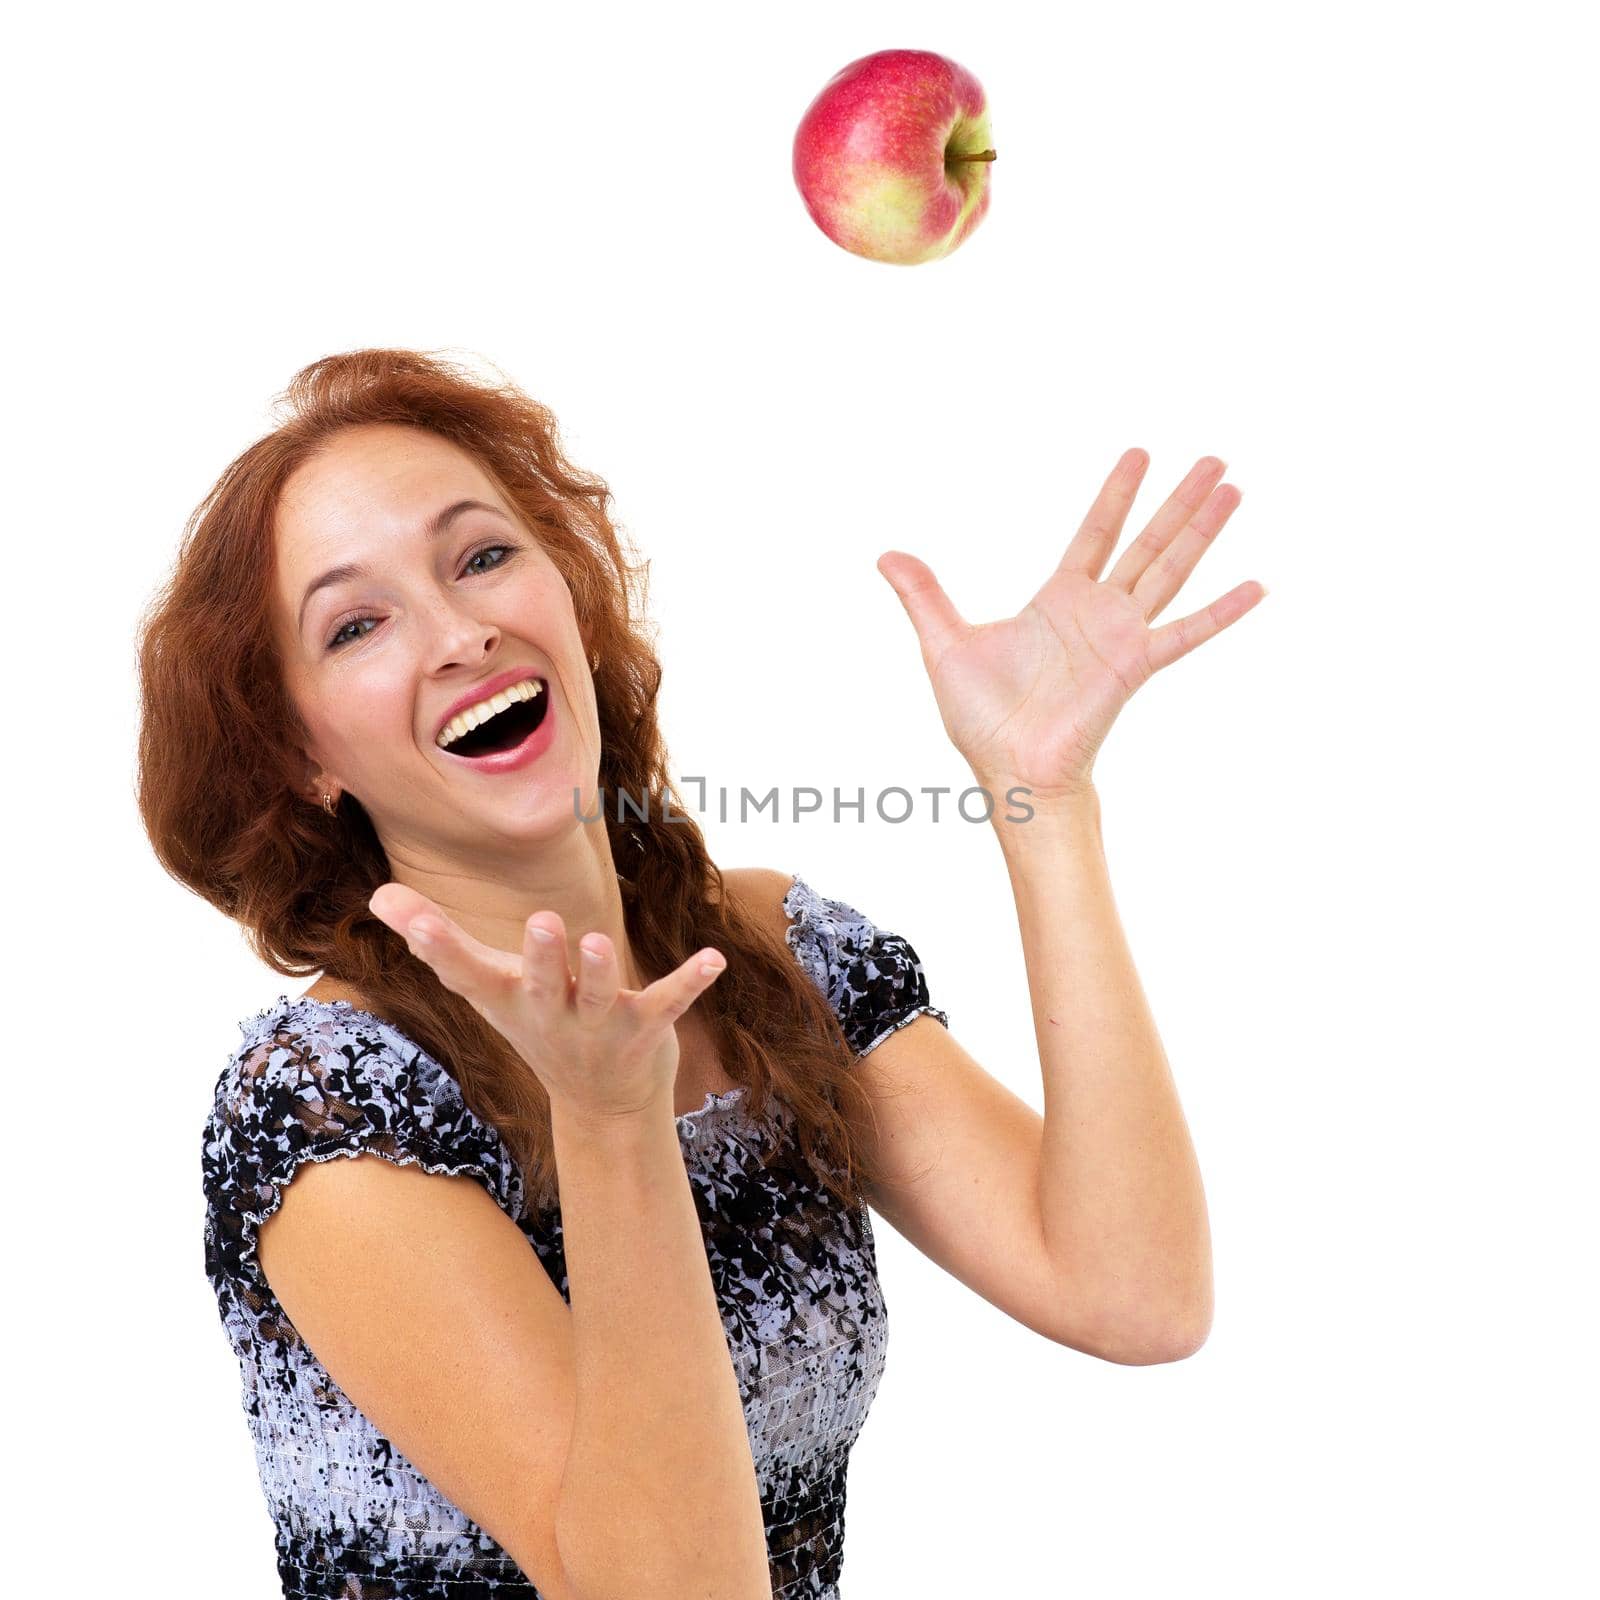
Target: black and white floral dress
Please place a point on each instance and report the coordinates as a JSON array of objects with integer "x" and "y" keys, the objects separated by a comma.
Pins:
[{"x": 795, "y": 1276}]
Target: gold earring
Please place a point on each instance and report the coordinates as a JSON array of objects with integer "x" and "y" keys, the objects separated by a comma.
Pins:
[{"x": 329, "y": 804}]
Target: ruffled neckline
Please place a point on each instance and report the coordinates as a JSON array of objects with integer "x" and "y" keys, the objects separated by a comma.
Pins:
[{"x": 688, "y": 1122}]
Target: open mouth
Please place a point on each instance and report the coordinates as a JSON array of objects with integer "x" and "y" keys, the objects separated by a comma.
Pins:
[{"x": 506, "y": 729}]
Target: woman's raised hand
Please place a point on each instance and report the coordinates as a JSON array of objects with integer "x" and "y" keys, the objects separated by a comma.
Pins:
[
  {"x": 600, "y": 1050},
  {"x": 1028, "y": 699}
]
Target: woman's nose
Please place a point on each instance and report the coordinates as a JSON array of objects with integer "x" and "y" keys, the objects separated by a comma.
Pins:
[{"x": 456, "y": 636}]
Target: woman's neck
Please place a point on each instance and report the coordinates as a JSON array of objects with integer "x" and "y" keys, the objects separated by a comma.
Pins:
[{"x": 576, "y": 878}]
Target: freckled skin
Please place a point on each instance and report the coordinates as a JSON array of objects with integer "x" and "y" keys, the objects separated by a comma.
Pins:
[{"x": 869, "y": 145}]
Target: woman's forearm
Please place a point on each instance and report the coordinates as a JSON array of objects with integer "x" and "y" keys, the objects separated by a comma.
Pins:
[
  {"x": 1121, "y": 1195},
  {"x": 659, "y": 1495}
]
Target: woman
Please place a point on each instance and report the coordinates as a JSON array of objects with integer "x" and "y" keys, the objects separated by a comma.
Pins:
[{"x": 399, "y": 722}]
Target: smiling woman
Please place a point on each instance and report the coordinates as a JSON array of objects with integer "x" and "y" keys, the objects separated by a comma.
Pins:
[{"x": 404, "y": 645}]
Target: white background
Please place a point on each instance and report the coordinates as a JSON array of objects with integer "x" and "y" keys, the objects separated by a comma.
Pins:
[{"x": 1351, "y": 838}]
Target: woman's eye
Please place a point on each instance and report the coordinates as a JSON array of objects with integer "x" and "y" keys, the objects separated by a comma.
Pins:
[
  {"x": 487, "y": 550},
  {"x": 341, "y": 637}
]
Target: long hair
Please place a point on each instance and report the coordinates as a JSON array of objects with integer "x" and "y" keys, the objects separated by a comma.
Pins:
[{"x": 218, "y": 772}]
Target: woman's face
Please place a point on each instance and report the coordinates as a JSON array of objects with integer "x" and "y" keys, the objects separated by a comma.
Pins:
[{"x": 449, "y": 596}]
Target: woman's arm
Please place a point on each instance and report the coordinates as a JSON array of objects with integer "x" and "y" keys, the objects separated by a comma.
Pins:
[
  {"x": 556, "y": 1429},
  {"x": 1028, "y": 701},
  {"x": 658, "y": 1491},
  {"x": 659, "y": 1494},
  {"x": 1120, "y": 1192}
]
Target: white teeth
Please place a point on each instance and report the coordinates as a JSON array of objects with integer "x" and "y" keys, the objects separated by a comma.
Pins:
[{"x": 469, "y": 719}]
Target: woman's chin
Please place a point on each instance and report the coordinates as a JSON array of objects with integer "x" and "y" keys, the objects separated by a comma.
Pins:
[{"x": 537, "y": 801}]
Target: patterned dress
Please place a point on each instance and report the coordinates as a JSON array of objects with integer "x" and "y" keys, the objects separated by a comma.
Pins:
[{"x": 795, "y": 1276}]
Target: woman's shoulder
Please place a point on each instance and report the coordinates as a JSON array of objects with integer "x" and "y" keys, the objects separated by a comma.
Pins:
[
  {"x": 787, "y": 903},
  {"x": 315, "y": 1077},
  {"x": 327, "y": 1037},
  {"x": 762, "y": 892},
  {"x": 871, "y": 974}
]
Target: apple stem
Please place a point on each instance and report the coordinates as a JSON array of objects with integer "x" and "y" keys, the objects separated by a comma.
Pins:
[{"x": 983, "y": 155}]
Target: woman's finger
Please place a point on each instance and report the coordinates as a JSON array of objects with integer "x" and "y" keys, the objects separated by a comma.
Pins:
[
  {"x": 669, "y": 997},
  {"x": 1167, "y": 523},
  {"x": 474, "y": 970},
  {"x": 396, "y": 906},
  {"x": 1097, "y": 535},
  {"x": 413, "y": 916},
  {"x": 1166, "y": 575},
  {"x": 1179, "y": 637},
  {"x": 546, "y": 977},
  {"x": 596, "y": 990},
  {"x": 932, "y": 612}
]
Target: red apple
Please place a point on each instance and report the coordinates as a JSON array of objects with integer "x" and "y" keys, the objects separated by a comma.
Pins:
[{"x": 892, "y": 157}]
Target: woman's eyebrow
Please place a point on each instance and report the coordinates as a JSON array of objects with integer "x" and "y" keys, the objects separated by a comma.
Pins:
[{"x": 357, "y": 569}]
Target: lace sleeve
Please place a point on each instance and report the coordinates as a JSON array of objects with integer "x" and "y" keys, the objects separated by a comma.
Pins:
[
  {"x": 872, "y": 977},
  {"x": 317, "y": 1080}
]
